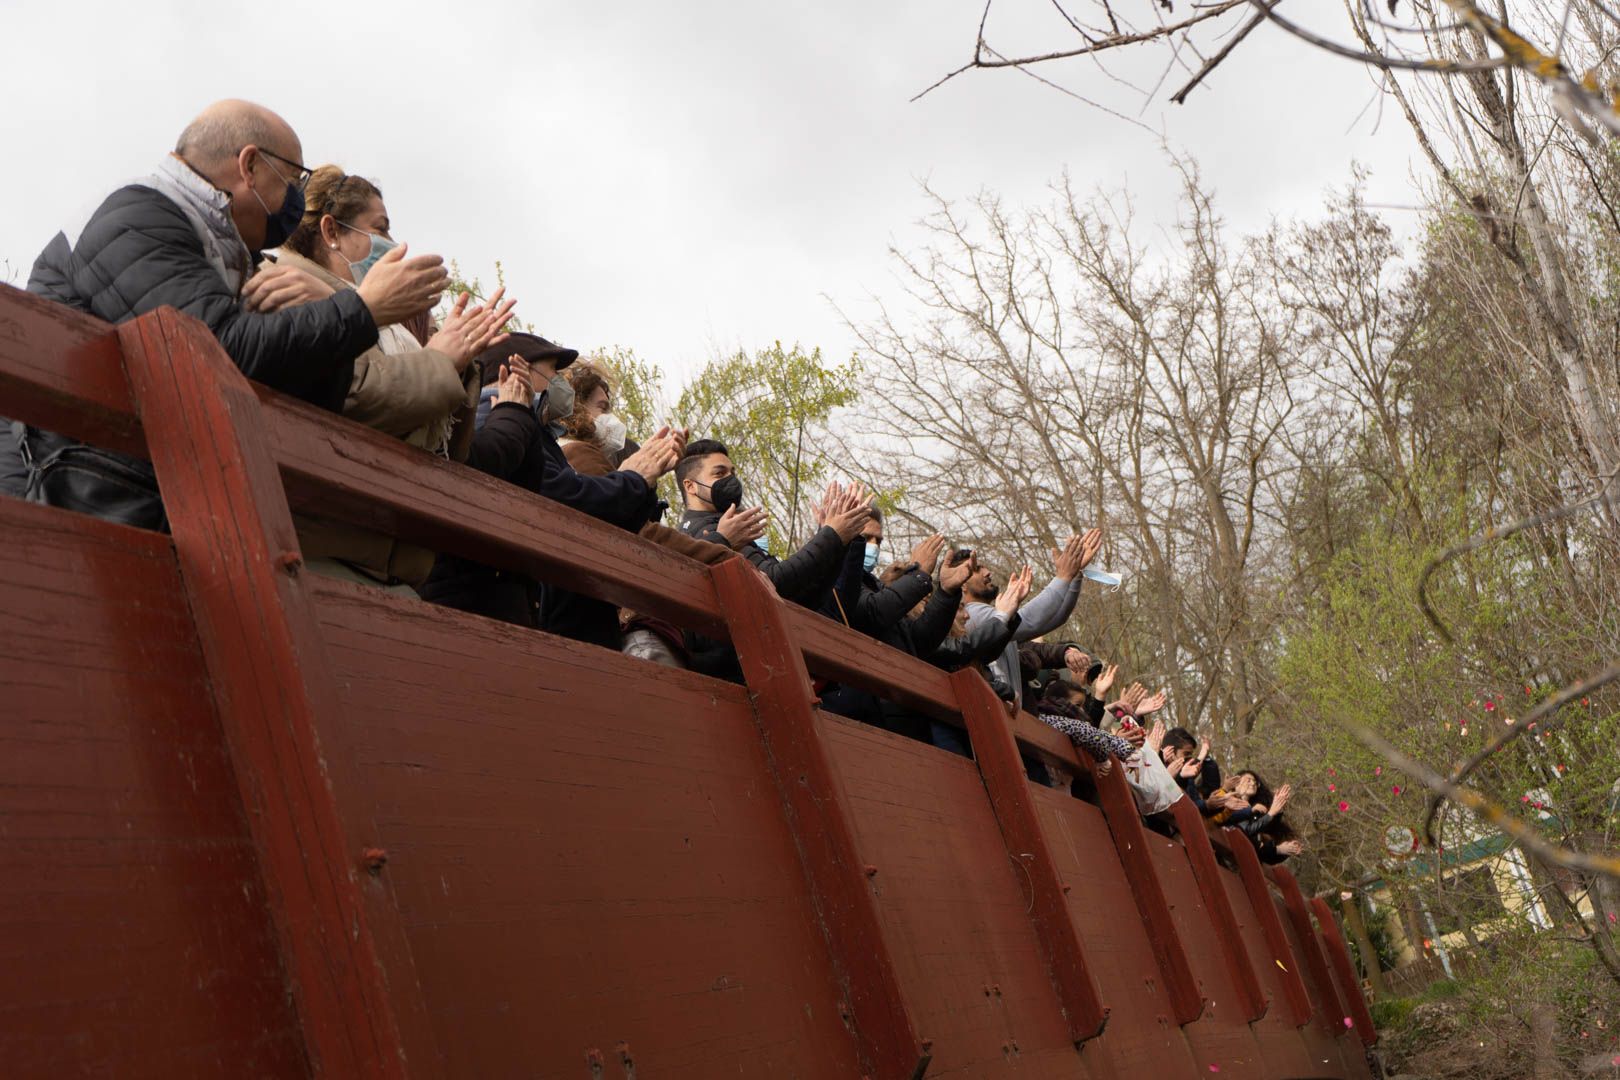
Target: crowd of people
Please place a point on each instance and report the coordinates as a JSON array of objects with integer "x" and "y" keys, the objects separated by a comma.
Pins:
[{"x": 296, "y": 272}]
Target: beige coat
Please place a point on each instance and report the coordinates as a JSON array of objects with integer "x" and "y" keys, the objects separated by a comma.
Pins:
[{"x": 409, "y": 392}]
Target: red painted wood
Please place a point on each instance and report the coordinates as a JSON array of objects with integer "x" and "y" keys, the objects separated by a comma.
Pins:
[
  {"x": 335, "y": 469},
  {"x": 234, "y": 541},
  {"x": 1265, "y": 912},
  {"x": 133, "y": 926},
  {"x": 1344, "y": 971},
  {"x": 572, "y": 876},
  {"x": 779, "y": 686},
  {"x": 62, "y": 371},
  {"x": 1223, "y": 919},
  {"x": 955, "y": 910},
  {"x": 1130, "y": 842},
  {"x": 1330, "y": 1010},
  {"x": 1003, "y": 773}
]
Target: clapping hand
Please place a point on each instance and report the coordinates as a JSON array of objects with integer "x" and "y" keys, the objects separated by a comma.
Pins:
[
  {"x": 1076, "y": 554},
  {"x": 1280, "y": 798},
  {"x": 466, "y": 333},
  {"x": 515, "y": 387},
  {"x": 1105, "y": 681},
  {"x": 1147, "y": 706},
  {"x": 742, "y": 527},
  {"x": 1018, "y": 586},
  {"x": 656, "y": 457},
  {"x": 952, "y": 578},
  {"x": 926, "y": 554}
]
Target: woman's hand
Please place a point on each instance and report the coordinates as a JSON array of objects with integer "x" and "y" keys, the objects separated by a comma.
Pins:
[
  {"x": 466, "y": 333},
  {"x": 1280, "y": 798},
  {"x": 1105, "y": 681},
  {"x": 515, "y": 387},
  {"x": 1290, "y": 847}
]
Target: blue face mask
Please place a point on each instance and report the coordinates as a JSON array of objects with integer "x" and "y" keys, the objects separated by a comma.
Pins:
[
  {"x": 380, "y": 246},
  {"x": 871, "y": 560}
]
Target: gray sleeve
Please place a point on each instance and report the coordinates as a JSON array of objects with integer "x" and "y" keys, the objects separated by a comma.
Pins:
[{"x": 1049, "y": 610}]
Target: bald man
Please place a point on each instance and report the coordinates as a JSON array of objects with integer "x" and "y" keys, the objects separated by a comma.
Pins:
[{"x": 189, "y": 236}]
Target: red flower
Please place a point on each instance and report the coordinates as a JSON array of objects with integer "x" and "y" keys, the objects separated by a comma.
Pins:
[
  {"x": 1378, "y": 770},
  {"x": 1397, "y": 789},
  {"x": 1343, "y": 806},
  {"x": 1490, "y": 706},
  {"x": 1524, "y": 798},
  {"x": 1333, "y": 787}
]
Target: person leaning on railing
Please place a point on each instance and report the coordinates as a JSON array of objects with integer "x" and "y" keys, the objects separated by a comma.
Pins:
[
  {"x": 409, "y": 390},
  {"x": 595, "y": 441},
  {"x": 187, "y": 236},
  {"x": 521, "y": 408}
]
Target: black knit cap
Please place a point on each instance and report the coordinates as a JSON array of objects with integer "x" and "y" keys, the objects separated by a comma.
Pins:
[{"x": 531, "y": 347}]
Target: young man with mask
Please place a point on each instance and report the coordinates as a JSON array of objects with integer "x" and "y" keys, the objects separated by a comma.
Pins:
[
  {"x": 712, "y": 494},
  {"x": 188, "y": 236},
  {"x": 519, "y": 415}
]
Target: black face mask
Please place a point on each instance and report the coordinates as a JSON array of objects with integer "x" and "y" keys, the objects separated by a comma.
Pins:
[
  {"x": 281, "y": 224},
  {"x": 726, "y": 493}
]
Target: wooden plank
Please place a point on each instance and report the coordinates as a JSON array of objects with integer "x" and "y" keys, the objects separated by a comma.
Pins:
[
  {"x": 1330, "y": 1010},
  {"x": 1130, "y": 841},
  {"x": 338, "y": 470},
  {"x": 1224, "y": 923},
  {"x": 1344, "y": 971},
  {"x": 1003, "y": 771},
  {"x": 237, "y": 552},
  {"x": 1265, "y": 912},
  {"x": 62, "y": 371},
  {"x": 954, "y": 908},
  {"x": 586, "y": 850},
  {"x": 834, "y": 651},
  {"x": 779, "y": 685},
  {"x": 135, "y": 940}
]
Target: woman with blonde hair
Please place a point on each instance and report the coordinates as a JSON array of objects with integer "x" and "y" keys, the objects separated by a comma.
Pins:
[{"x": 404, "y": 387}]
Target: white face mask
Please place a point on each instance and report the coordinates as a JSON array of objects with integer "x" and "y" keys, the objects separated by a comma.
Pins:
[{"x": 610, "y": 433}]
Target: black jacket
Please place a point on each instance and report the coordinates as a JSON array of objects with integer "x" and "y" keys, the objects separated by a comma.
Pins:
[
  {"x": 805, "y": 577},
  {"x": 139, "y": 252},
  {"x": 514, "y": 445}
]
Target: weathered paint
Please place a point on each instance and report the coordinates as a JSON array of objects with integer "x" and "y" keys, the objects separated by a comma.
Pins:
[{"x": 258, "y": 823}]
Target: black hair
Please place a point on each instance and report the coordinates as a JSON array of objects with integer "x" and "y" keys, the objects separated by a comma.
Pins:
[
  {"x": 877, "y": 515},
  {"x": 695, "y": 453},
  {"x": 959, "y": 556},
  {"x": 1180, "y": 738},
  {"x": 1262, "y": 790}
]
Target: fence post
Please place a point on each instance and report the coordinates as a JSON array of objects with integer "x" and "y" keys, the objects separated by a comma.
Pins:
[
  {"x": 1349, "y": 985},
  {"x": 238, "y": 559},
  {"x": 996, "y": 752},
  {"x": 1218, "y": 905},
  {"x": 1131, "y": 844},
  {"x": 1265, "y": 909},
  {"x": 779, "y": 686},
  {"x": 1330, "y": 1012}
]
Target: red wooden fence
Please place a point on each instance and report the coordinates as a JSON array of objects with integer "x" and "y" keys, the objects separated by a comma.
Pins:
[{"x": 254, "y": 822}]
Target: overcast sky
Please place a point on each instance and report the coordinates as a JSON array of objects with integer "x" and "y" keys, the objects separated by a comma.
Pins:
[{"x": 673, "y": 177}]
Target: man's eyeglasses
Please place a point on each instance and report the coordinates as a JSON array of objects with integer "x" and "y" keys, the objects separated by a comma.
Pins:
[{"x": 302, "y": 174}]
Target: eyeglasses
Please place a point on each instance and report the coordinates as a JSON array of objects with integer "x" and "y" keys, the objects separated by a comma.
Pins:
[{"x": 303, "y": 174}]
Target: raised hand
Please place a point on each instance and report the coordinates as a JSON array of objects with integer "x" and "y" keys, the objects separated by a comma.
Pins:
[
  {"x": 926, "y": 554},
  {"x": 1017, "y": 589},
  {"x": 1280, "y": 798},
  {"x": 396, "y": 287},
  {"x": 656, "y": 457},
  {"x": 514, "y": 387},
  {"x": 1133, "y": 733},
  {"x": 742, "y": 527},
  {"x": 466, "y": 333},
  {"x": 1105, "y": 681},
  {"x": 1190, "y": 768},
  {"x": 1150, "y": 705},
  {"x": 952, "y": 578},
  {"x": 852, "y": 515},
  {"x": 1290, "y": 847},
  {"x": 1076, "y": 661},
  {"x": 1155, "y": 737}
]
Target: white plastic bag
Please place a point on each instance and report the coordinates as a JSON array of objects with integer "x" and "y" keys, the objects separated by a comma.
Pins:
[{"x": 1151, "y": 784}]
